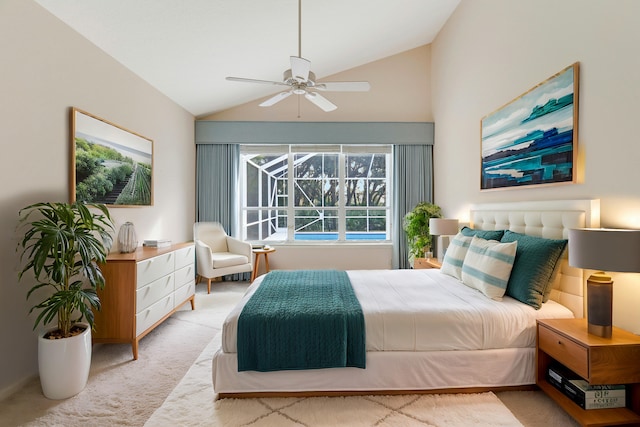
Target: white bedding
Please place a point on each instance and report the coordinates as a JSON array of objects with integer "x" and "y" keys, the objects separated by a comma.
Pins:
[{"x": 425, "y": 310}]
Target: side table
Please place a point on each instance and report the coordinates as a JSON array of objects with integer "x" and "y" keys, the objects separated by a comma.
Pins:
[
  {"x": 598, "y": 360},
  {"x": 421, "y": 263},
  {"x": 256, "y": 264}
]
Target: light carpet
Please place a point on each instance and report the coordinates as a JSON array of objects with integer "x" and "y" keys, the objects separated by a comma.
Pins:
[
  {"x": 192, "y": 403},
  {"x": 124, "y": 392}
]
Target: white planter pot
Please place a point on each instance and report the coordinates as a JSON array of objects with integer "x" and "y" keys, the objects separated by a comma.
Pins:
[{"x": 64, "y": 364}]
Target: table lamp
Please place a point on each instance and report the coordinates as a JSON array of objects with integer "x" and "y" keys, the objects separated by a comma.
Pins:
[
  {"x": 442, "y": 227},
  {"x": 603, "y": 249}
]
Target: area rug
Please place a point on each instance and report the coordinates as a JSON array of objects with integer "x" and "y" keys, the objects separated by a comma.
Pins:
[{"x": 193, "y": 403}]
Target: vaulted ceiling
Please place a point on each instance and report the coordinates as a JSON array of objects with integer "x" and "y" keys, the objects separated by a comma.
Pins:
[{"x": 185, "y": 49}]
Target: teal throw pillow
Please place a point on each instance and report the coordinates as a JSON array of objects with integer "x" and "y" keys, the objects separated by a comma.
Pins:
[
  {"x": 483, "y": 234},
  {"x": 533, "y": 270}
]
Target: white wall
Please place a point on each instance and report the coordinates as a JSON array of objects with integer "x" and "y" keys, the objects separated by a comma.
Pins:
[
  {"x": 338, "y": 257},
  {"x": 492, "y": 51},
  {"x": 46, "y": 69}
]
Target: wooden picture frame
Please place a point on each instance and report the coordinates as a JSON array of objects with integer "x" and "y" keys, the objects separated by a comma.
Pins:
[
  {"x": 532, "y": 140},
  {"x": 109, "y": 164}
]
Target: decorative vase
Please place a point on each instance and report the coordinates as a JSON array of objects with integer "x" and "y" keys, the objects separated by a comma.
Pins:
[
  {"x": 127, "y": 239},
  {"x": 64, "y": 364}
]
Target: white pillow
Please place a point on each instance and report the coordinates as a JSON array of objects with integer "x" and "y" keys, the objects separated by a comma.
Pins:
[
  {"x": 454, "y": 257},
  {"x": 487, "y": 266}
]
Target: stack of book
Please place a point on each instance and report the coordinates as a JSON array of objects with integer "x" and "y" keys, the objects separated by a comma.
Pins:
[
  {"x": 157, "y": 243},
  {"x": 585, "y": 395}
]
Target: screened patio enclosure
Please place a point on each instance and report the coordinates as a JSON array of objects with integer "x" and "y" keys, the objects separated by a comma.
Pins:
[{"x": 328, "y": 193}]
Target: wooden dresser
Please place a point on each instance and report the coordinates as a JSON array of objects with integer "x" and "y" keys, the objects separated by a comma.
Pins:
[{"x": 142, "y": 289}]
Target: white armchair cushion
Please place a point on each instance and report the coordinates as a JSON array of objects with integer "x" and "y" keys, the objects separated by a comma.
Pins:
[{"x": 227, "y": 259}]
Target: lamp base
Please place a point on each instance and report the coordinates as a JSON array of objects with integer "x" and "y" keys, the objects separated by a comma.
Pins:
[
  {"x": 443, "y": 244},
  {"x": 600, "y": 305}
]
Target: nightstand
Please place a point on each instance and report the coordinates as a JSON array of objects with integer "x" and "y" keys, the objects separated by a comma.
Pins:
[
  {"x": 420, "y": 263},
  {"x": 598, "y": 360}
]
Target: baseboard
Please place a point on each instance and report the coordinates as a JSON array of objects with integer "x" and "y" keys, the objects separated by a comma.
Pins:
[{"x": 13, "y": 388}]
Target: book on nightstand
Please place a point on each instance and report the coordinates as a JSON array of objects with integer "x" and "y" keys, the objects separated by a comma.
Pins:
[{"x": 585, "y": 395}]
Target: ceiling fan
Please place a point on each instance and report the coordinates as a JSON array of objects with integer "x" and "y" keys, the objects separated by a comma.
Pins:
[{"x": 302, "y": 81}]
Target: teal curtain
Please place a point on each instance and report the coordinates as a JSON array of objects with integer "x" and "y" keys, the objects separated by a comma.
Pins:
[
  {"x": 217, "y": 184},
  {"x": 413, "y": 183}
]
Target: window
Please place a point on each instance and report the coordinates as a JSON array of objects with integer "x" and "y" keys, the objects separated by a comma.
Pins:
[{"x": 316, "y": 193}]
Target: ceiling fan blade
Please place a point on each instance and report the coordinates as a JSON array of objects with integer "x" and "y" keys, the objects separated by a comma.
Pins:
[
  {"x": 264, "y": 82},
  {"x": 320, "y": 101},
  {"x": 300, "y": 68},
  {"x": 279, "y": 97},
  {"x": 343, "y": 86}
]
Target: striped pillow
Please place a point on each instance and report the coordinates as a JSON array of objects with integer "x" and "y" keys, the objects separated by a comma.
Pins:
[
  {"x": 454, "y": 257},
  {"x": 487, "y": 266}
]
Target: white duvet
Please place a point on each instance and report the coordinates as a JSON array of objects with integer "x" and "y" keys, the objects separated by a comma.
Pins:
[{"x": 425, "y": 310}]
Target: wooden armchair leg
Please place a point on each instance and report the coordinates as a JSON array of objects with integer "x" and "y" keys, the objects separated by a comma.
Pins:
[{"x": 208, "y": 285}]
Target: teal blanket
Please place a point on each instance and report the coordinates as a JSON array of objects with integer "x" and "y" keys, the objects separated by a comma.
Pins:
[{"x": 308, "y": 319}]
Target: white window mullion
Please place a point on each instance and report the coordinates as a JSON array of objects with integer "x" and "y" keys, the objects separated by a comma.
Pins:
[
  {"x": 290, "y": 210},
  {"x": 342, "y": 221},
  {"x": 243, "y": 199}
]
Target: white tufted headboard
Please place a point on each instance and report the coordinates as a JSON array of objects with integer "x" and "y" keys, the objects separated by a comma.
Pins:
[{"x": 549, "y": 219}]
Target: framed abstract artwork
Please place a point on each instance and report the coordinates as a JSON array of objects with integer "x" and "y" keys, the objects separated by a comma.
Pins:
[
  {"x": 109, "y": 164},
  {"x": 533, "y": 139}
]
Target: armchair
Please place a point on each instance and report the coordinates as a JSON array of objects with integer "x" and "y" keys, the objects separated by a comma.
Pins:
[{"x": 218, "y": 254}]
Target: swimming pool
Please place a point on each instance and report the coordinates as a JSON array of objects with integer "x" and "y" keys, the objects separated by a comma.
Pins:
[{"x": 334, "y": 236}]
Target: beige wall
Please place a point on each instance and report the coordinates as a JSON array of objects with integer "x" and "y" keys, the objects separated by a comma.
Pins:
[
  {"x": 400, "y": 92},
  {"x": 491, "y": 51},
  {"x": 46, "y": 69}
]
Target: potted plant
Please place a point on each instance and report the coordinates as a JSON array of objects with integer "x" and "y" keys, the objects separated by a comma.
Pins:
[
  {"x": 63, "y": 245},
  {"x": 416, "y": 225}
]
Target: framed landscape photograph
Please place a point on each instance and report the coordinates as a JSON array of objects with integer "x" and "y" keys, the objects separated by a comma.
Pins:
[
  {"x": 109, "y": 164},
  {"x": 533, "y": 139}
]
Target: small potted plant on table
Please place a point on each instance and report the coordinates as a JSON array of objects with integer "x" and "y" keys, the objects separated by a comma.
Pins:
[{"x": 416, "y": 225}]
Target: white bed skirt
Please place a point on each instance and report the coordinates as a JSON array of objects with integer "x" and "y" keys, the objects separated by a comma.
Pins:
[{"x": 387, "y": 371}]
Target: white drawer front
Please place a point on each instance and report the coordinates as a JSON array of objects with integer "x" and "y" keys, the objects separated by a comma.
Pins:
[
  {"x": 184, "y": 292},
  {"x": 154, "y": 268},
  {"x": 185, "y": 256},
  {"x": 185, "y": 275},
  {"x": 149, "y": 316},
  {"x": 154, "y": 291}
]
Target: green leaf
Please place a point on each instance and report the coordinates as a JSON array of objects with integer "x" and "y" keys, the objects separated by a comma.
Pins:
[{"x": 62, "y": 246}]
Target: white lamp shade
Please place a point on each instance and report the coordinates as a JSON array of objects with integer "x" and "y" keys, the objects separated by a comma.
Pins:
[
  {"x": 443, "y": 226},
  {"x": 605, "y": 249}
]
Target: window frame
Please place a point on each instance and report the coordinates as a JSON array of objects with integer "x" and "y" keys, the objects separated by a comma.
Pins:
[{"x": 290, "y": 150}]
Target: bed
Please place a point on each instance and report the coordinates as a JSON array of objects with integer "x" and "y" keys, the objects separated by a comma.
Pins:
[{"x": 425, "y": 330}]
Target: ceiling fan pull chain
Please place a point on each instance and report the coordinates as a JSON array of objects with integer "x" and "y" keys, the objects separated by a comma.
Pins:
[{"x": 300, "y": 28}]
